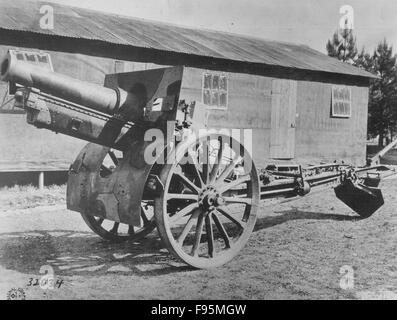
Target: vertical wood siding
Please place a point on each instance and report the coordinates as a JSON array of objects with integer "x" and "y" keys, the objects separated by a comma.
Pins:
[
  {"x": 283, "y": 119},
  {"x": 322, "y": 137},
  {"x": 318, "y": 137}
]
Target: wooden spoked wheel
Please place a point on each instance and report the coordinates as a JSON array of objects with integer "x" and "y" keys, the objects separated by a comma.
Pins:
[
  {"x": 115, "y": 231},
  {"x": 207, "y": 209}
]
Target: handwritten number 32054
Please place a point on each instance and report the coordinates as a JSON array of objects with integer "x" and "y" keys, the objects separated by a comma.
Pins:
[{"x": 47, "y": 281}]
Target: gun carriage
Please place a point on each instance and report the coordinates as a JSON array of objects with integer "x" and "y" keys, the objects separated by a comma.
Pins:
[{"x": 147, "y": 165}]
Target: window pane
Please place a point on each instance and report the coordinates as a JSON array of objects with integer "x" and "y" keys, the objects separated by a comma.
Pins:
[
  {"x": 337, "y": 108},
  {"x": 223, "y": 83},
  {"x": 341, "y": 101},
  {"x": 215, "y": 98},
  {"x": 215, "y": 82},
  {"x": 346, "y": 110},
  {"x": 30, "y": 57},
  {"x": 342, "y": 108},
  {"x": 222, "y": 99},
  {"x": 42, "y": 59},
  {"x": 118, "y": 66},
  {"x": 207, "y": 81},
  {"x": 348, "y": 98},
  {"x": 207, "y": 97}
]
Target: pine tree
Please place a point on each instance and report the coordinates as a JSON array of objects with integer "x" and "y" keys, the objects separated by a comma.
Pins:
[
  {"x": 382, "y": 105},
  {"x": 383, "y": 94},
  {"x": 364, "y": 61},
  {"x": 343, "y": 46}
]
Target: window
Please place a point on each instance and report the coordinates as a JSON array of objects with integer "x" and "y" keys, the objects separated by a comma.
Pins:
[
  {"x": 341, "y": 102},
  {"x": 215, "y": 90},
  {"x": 41, "y": 59},
  {"x": 118, "y": 66}
]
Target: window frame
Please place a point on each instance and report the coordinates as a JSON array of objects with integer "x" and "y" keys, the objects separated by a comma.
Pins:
[
  {"x": 212, "y": 90},
  {"x": 334, "y": 100},
  {"x": 119, "y": 66}
]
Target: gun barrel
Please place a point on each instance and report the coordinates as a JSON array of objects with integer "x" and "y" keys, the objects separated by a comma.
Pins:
[
  {"x": 96, "y": 97},
  {"x": 87, "y": 111}
]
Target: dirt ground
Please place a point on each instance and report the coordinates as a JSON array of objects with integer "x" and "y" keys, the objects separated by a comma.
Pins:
[{"x": 298, "y": 250}]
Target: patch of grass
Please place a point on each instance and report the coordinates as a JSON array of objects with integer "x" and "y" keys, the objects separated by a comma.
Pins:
[
  {"x": 28, "y": 196},
  {"x": 31, "y": 188}
]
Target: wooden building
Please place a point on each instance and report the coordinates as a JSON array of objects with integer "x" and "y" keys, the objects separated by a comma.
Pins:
[{"x": 303, "y": 106}]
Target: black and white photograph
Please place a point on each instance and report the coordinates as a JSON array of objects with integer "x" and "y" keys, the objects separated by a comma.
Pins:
[{"x": 202, "y": 151}]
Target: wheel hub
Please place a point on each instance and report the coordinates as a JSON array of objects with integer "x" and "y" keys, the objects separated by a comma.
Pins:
[{"x": 210, "y": 198}]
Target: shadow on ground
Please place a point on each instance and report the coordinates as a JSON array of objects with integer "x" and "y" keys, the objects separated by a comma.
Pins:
[
  {"x": 84, "y": 253},
  {"x": 295, "y": 214}
]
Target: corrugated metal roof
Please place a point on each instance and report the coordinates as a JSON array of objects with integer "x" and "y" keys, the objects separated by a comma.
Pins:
[{"x": 80, "y": 23}]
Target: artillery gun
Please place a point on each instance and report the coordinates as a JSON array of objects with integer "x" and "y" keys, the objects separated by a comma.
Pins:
[{"x": 202, "y": 191}]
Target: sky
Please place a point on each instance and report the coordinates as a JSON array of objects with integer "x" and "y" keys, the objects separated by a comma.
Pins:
[{"x": 309, "y": 22}]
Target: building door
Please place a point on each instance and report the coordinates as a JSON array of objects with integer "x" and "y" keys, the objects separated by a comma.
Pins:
[{"x": 283, "y": 117}]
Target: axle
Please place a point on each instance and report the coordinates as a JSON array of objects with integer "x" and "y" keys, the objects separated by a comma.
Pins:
[{"x": 300, "y": 182}]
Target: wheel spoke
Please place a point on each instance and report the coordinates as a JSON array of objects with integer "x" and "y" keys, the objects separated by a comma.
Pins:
[
  {"x": 210, "y": 235},
  {"x": 228, "y": 170},
  {"x": 215, "y": 168},
  {"x": 100, "y": 221},
  {"x": 223, "y": 187},
  {"x": 206, "y": 163},
  {"x": 183, "y": 196},
  {"x": 206, "y": 172},
  {"x": 225, "y": 212},
  {"x": 188, "y": 226},
  {"x": 187, "y": 182},
  {"x": 115, "y": 228},
  {"x": 247, "y": 201},
  {"x": 183, "y": 212},
  {"x": 196, "y": 169},
  {"x": 113, "y": 157},
  {"x": 221, "y": 229},
  {"x": 146, "y": 221},
  {"x": 199, "y": 232},
  {"x": 131, "y": 230}
]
